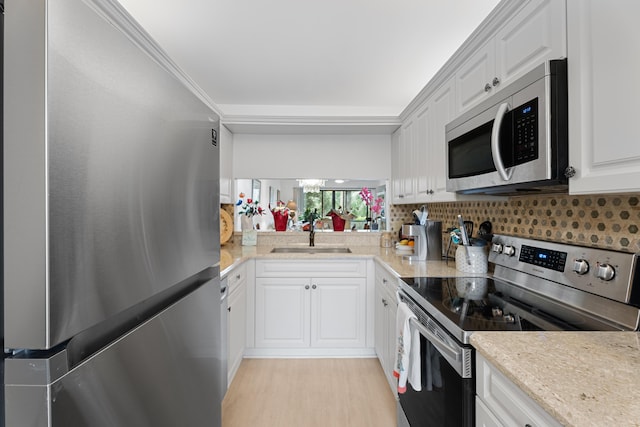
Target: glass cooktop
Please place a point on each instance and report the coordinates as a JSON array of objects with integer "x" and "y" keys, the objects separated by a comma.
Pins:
[{"x": 466, "y": 304}]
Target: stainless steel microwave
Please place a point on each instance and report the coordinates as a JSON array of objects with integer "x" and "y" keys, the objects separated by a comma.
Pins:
[{"x": 515, "y": 141}]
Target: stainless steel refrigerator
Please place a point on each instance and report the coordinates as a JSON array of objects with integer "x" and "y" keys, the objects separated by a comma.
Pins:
[{"x": 110, "y": 226}]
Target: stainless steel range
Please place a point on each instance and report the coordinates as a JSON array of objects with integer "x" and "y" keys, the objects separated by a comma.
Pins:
[{"x": 536, "y": 285}]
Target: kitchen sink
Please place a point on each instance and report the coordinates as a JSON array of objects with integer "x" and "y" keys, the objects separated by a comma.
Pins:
[{"x": 310, "y": 250}]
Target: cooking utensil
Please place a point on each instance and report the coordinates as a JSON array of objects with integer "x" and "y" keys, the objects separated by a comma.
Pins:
[
  {"x": 420, "y": 215},
  {"x": 468, "y": 226},
  {"x": 485, "y": 231},
  {"x": 465, "y": 238}
]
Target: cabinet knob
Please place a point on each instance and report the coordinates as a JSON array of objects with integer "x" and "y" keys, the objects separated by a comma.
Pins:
[
  {"x": 496, "y": 81},
  {"x": 384, "y": 280},
  {"x": 229, "y": 309},
  {"x": 306, "y": 286},
  {"x": 570, "y": 172},
  {"x": 238, "y": 277},
  {"x": 384, "y": 302},
  {"x": 314, "y": 287},
  {"x": 487, "y": 87}
]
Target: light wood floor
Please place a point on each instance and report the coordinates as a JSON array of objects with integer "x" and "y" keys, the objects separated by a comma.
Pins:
[{"x": 309, "y": 393}]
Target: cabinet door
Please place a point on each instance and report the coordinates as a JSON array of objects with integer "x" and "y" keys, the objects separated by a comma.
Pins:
[
  {"x": 338, "y": 313},
  {"x": 406, "y": 161},
  {"x": 381, "y": 330},
  {"x": 484, "y": 417},
  {"x": 505, "y": 400},
  {"x": 237, "y": 327},
  {"x": 422, "y": 159},
  {"x": 396, "y": 177},
  {"x": 474, "y": 76},
  {"x": 282, "y": 312},
  {"x": 442, "y": 112},
  {"x": 226, "y": 162},
  {"x": 535, "y": 34},
  {"x": 603, "y": 88}
]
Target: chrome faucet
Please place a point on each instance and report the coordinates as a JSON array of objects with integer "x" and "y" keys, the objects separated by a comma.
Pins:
[{"x": 312, "y": 233}]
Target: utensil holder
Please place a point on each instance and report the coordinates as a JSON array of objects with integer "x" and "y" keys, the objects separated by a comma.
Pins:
[{"x": 477, "y": 256}]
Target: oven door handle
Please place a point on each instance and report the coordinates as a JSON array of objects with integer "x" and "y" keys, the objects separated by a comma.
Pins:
[
  {"x": 495, "y": 142},
  {"x": 442, "y": 346}
]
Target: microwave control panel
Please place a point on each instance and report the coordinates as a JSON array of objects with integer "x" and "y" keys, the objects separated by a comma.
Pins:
[{"x": 525, "y": 132}]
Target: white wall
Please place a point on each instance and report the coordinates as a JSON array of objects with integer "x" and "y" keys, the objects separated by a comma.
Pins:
[{"x": 312, "y": 156}]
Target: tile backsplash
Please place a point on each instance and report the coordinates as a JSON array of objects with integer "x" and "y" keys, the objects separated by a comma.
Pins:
[{"x": 609, "y": 221}]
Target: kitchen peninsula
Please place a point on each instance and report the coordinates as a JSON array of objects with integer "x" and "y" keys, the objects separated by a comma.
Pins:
[{"x": 579, "y": 378}]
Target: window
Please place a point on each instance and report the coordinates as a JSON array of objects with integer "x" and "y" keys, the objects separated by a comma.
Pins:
[{"x": 343, "y": 200}]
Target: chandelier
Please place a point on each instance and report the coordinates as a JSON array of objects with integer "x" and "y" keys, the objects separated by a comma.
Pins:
[{"x": 311, "y": 185}]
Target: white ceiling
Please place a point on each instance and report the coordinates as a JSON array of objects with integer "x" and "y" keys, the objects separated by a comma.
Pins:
[{"x": 310, "y": 58}]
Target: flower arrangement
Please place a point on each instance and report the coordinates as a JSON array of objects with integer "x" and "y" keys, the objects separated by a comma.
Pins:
[
  {"x": 280, "y": 215},
  {"x": 367, "y": 198},
  {"x": 250, "y": 207}
]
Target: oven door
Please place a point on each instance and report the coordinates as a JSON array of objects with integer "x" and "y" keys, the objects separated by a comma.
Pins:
[{"x": 447, "y": 398}]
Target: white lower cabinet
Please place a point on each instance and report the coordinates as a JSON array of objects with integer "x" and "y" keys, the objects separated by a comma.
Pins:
[
  {"x": 310, "y": 311},
  {"x": 236, "y": 319},
  {"x": 499, "y": 402},
  {"x": 484, "y": 416},
  {"x": 386, "y": 307}
]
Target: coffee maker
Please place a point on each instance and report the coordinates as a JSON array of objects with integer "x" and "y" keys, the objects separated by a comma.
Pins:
[{"x": 427, "y": 238}]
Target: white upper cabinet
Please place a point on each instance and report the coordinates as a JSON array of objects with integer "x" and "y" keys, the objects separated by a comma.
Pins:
[
  {"x": 226, "y": 166},
  {"x": 403, "y": 160},
  {"x": 430, "y": 154},
  {"x": 604, "y": 84},
  {"x": 396, "y": 180},
  {"x": 534, "y": 34},
  {"x": 473, "y": 78},
  {"x": 537, "y": 33},
  {"x": 442, "y": 106}
]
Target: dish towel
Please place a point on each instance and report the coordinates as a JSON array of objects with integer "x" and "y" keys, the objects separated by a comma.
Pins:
[{"x": 407, "y": 357}]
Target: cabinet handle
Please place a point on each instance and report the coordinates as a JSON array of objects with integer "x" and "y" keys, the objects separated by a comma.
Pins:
[
  {"x": 401, "y": 196},
  {"x": 314, "y": 286},
  {"x": 527, "y": 425},
  {"x": 306, "y": 286},
  {"x": 496, "y": 82},
  {"x": 487, "y": 87}
]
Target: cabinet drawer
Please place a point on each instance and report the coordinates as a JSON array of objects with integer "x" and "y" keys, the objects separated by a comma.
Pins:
[
  {"x": 510, "y": 405},
  {"x": 320, "y": 268},
  {"x": 236, "y": 276},
  {"x": 388, "y": 280}
]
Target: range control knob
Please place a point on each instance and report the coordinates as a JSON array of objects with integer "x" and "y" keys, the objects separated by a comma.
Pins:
[
  {"x": 509, "y": 250},
  {"x": 497, "y": 248},
  {"x": 581, "y": 266},
  {"x": 605, "y": 271}
]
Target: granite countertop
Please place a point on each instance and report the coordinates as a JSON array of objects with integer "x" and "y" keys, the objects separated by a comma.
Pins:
[
  {"x": 580, "y": 378},
  {"x": 234, "y": 254}
]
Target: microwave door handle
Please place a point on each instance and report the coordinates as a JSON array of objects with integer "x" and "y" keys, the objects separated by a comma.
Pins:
[{"x": 495, "y": 143}]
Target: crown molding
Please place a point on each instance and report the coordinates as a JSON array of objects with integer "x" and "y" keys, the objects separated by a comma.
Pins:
[
  {"x": 485, "y": 31},
  {"x": 324, "y": 125}
]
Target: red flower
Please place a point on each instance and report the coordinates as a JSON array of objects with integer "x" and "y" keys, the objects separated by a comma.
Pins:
[{"x": 249, "y": 201}]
